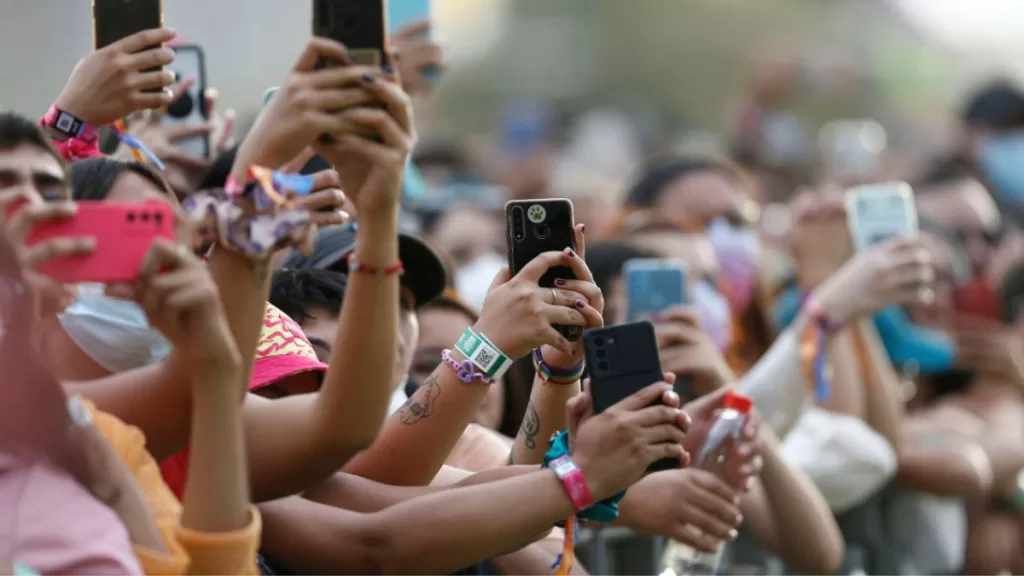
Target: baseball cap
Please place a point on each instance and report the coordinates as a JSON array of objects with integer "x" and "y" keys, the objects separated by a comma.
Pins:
[{"x": 424, "y": 273}]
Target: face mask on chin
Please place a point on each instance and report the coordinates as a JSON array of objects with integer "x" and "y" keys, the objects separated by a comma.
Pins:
[
  {"x": 736, "y": 249},
  {"x": 714, "y": 313},
  {"x": 473, "y": 279},
  {"x": 115, "y": 333},
  {"x": 1001, "y": 159}
]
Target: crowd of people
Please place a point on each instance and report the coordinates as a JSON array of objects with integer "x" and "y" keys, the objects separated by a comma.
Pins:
[{"x": 283, "y": 387}]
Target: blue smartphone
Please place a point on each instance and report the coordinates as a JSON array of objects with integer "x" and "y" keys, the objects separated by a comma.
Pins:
[
  {"x": 652, "y": 286},
  {"x": 402, "y": 13}
]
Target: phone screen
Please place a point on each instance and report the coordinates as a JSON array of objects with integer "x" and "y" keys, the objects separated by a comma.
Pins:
[
  {"x": 878, "y": 212},
  {"x": 653, "y": 286}
]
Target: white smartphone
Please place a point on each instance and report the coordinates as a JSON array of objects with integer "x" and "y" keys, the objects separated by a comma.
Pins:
[
  {"x": 190, "y": 108},
  {"x": 878, "y": 212}
]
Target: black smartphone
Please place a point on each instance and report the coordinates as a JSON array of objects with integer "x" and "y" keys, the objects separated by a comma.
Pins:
[
  {"x": 190, "y": 107},
  {"x": 113, "y": 20},
  {"x": 360, "y": 25},
  {"x": 538, "y": 226},
  {"x": 622, "y": 360}
]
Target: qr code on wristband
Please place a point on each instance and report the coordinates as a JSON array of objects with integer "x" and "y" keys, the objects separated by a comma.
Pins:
[{"x": 485, "y": 357}]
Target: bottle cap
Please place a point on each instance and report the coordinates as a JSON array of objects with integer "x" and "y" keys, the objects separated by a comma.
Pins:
[{"x": 738, "y": 402}]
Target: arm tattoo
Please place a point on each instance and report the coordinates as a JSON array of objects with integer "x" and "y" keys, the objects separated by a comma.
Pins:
[
  {"x": 421, "y": 405},
  {"x": 530, "y": 427},
  {"x": 259, "y": 270}
]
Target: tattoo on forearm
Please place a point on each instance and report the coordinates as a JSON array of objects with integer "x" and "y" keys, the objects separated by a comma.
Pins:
[
  {"x": 530, "y": 427},
  {"x": 259, "y": 270},
  {"x": 421, "y": 405}
]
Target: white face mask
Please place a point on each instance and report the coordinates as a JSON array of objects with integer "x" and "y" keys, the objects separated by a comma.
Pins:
[
  {"x": 113, "y": 332},
  {"x": 473, "y": 279}
]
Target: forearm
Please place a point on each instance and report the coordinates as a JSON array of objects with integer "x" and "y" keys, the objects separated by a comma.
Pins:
[
  {"x": 882, "y": 385},
  {"x": 157, "y": 399},
  {"x": 416, "y": 440},
  {"x": 133, "y": 510},
  {"x": 357, "y": 391},
  {"x": 545, "y": 415},
  {"x": 463, "y": 529},
  {"x": 846, "y": 388},
  {"x": 794, "y": 522},
  {"x": 537, "y": 558},
  {"x": 217, "y": 494}
]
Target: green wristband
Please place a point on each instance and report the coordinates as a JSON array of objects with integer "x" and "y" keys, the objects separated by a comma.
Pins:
[{"x": 483, "y": 354}]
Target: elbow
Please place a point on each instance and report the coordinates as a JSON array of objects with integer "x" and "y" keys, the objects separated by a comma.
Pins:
[{"x": 383, "y": 555}]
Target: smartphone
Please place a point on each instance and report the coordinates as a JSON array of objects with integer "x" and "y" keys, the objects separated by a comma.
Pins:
[
  {"x": 113, "y": 20},
  {"x": 190, "y": 108},
  {"x": 123, "y": 233},
  {"x": 623, "y": 360},
  {"x": 878, "y": 212},
  {"x": 538, "y": 226},
  {"x": 852, "y": 149},
  {"x": 361, "y": 26},
  {"x": 652, "y": 286}
]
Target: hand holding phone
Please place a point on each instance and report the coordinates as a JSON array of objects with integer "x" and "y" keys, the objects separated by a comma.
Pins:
[
  {"x": 360, "y": 26},
  {"x": 189, "y": 111},
  {"x": 878, "y": 212},
  {"x": 120, "y": 234}
]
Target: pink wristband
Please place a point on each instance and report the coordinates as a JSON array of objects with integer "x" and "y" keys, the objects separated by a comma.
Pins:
[
  {"x": 69, "y": 125},
  {"x": 573, "y": 481},
  {"x": 815, "y": 311}
]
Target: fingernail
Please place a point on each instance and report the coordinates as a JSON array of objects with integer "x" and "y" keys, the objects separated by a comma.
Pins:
[
  {"x": 369, "y": 79},
  {"x": 580, "y": 304},
  {"x": 80, "y": 415},
  {"x": 559, "y": 281},
  {"x": 583, "y": 228},
  {"x": 387, "y": 68},
  {"x": 733, "y": 534},
  {"x": 736, "y": 501},
  {"x": 572, "y": 253},
  {"x": 673, "y": 397}
]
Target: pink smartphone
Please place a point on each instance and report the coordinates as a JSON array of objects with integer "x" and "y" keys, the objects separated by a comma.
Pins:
[{"x": 123, "y": 233}]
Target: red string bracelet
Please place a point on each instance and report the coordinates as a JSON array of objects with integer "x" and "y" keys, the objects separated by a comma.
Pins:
[{"x": 355, "y": 266}]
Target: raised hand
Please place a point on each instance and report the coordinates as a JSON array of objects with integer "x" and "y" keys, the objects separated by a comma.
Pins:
[
  {"x": 416, "y": 54},
  {"x": 744, "y": 461},
  {"x": 615, "y": 447},
  {"x": 518, "y": 315},
  {"x": 115, "y": 81},
  {"x": 688, "y": 352}
]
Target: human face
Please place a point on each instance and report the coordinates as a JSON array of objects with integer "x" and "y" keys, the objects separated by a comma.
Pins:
[
  {"x": 699, "y": 198},
  {"x": 693, "y": 249},
  {"x": 321, "y": 328},
  {"x": 966, "y": 208},
  {"x": 132, "y": 188},
  {"x": 33, "y": 172},
  {"x": 467, "y": 233}
]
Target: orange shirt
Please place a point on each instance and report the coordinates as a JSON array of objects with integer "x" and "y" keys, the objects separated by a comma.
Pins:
[{"x": 188, "y": 551}]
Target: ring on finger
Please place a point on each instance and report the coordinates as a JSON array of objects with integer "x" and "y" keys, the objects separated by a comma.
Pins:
[
  {"x": 554, "y": 296},
  {"x": 926, "y": 296}
]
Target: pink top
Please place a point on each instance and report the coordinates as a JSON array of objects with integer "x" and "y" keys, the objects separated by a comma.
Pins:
[{"x": 52, "y": 524}]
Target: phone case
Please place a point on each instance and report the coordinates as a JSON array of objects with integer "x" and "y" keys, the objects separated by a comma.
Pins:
[
  {"x": 623, "y": 360},
  {"x": 123, "y": 232},
  {"x": 538, "y": 226},
  {"x": 117, "y": 19},
  {"x": 878, "y": 212},
  {"x": 361, "y": 26},
  {"x": 652, "y": 286},
  {"x": 190, "y": 108}
]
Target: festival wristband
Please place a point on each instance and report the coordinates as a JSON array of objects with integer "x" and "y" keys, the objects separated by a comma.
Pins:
[
  {"x": 572, "y": 479},
  {"x": 606, "y": 511},
  {"x": 556, "y": 375},
  {"x": 465, "y": 371},
  {"x": 69, "y": 125},
  {"x": 483, "y": 353},
  {"x": 357, "y": 267},
  {"x": 140, "y": 152}
]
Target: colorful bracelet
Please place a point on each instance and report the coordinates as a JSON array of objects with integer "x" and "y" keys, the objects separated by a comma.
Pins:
[
  {"x": 68, "y": 125},
  {"x": 225, "y": 215},
  {"x": 465, "y": 371},
  {"x": 483, "y": 353},
  {"x": 355, "y": 266},
  {"x": 813, "y": 348},
  {"x": 556, "y": 375},
  {"x": 140, "y": 152}
]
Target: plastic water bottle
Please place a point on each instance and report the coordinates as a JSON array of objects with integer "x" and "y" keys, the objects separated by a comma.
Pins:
[{"x": 679, "y": 559}]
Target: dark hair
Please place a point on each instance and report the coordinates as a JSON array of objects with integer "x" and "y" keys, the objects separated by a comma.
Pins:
[
  {"x": 942, "y": 172},
  {"x": 606, "y": 260},
  {"x": 216, "y": 175},
  {"x": 16, "y": 130},
  {"x": 295, "y": 292},
  {"x": 998, "y": 105},
  {"x": 92, "y": 179},
  {"x": 646, "y": 191}
]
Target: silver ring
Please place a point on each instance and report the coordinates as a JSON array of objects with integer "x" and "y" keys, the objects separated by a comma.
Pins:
[{"x": 554, "y": 296}]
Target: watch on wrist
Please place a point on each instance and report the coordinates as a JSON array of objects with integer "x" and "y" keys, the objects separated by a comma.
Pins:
[{"x": 68, "y": 125}]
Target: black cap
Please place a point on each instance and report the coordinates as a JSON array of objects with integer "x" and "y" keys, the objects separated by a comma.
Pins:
[{"x": 424, "y": 274}]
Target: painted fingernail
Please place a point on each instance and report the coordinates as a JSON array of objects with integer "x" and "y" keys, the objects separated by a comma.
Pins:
[
  {"x": 559, "y": 281},
  {"x": 583, "y": 228},
  {"x": 572, "y": 253},
  {"x": 580, "y": 304},
  {"x": 369, "y": 79},
  {"x": 387, "y": 69}
]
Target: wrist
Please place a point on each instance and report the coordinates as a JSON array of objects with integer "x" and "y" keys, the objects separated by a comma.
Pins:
[
  {"x": 558, "y": 359},
  {"x": 69, "y": 105}
]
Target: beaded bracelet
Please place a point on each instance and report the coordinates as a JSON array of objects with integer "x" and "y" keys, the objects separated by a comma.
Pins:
[
  {"x": 256, "y": 218},
  {"x": 556, "y": 375},
  {"x": 465, "y": 371}
]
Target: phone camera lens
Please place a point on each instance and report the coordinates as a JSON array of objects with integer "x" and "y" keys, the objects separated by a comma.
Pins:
[
  {"x": 598, "y": 341},
  {"x": 158, "y": 217},
  {"x": 602, "y": 366},
  {"x": 182, "y": 107},
  {"x": 541, "y": 231},
  {"x": 601, "y": 354},
  {"x": 144, "y": 216},
  {"x": 518, "y": 224},
  {"x": 130, "y": 217}
]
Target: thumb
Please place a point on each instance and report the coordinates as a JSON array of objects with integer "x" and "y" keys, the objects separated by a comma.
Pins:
[
  {"x": 500, "y": 278},
  {"x": 578, "y": 408}
]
